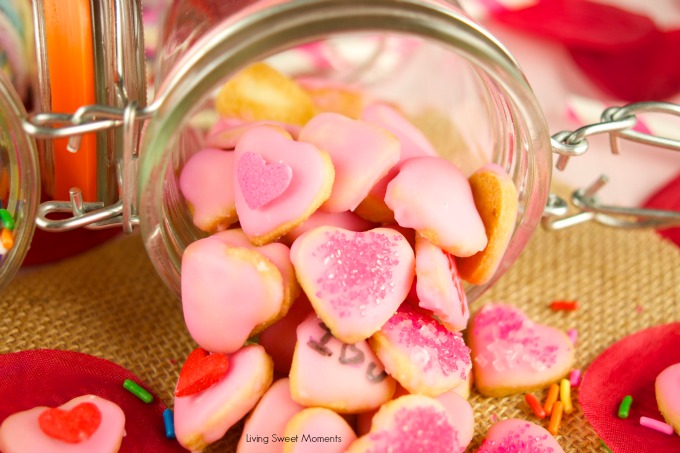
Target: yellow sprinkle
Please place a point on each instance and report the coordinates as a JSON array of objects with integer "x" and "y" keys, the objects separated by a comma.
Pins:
[{"x": 565, "y": 396}]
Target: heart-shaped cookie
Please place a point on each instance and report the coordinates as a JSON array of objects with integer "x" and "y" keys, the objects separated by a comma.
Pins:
[
  {"x": 347, "y": 378},
  {"x": 200, "y": 371},
  {"x": 317, "y": 429},
  {"x": 260, "y": 92},
  {"x": 667, "y": 389},
  {"x": 362, "y": 154},
  {"x": 439, "y": 287},
  {"x": 512, "y": 354},
  {"x": 412, "y": 423},
  {"x": 269, "y": 418},
  {"x": 432, "y": 196},
  {"x": 354, "y": 280},
  {"x": 227, "y": 132},
  {"x": 270, "y": 203},
  {"x": 74, "y": 425},
  {"x": 346, "y": 219},
  {"x": 496, "y": 201},
  {"x": 86, "y": 423},
  {"x": 513, "y": 435},
  {"x": 205, "y": 417},
  {"x": 421, "y": 354},
  {"x": 206, "y": 183},
  {"x": 227, "y": 292}
]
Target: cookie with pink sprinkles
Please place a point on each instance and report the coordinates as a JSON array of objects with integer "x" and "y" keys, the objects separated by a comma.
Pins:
[
  {"x": 518, "y": 436},
  {"x": 421, "y": 354}
]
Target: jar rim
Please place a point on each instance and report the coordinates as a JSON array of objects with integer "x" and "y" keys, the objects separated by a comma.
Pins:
[{"x": 266, "y": 28}]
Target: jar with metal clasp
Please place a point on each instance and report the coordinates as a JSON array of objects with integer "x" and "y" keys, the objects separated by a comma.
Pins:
[{"x": 443, "y": 70}]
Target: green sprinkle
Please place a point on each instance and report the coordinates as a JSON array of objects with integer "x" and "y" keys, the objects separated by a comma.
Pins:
[
  {"x": 607, "y": 449},
  {"x": 138, "y": 391},
  {"x": 624, "y": 408},
  {"x": 7, "y": 219}
]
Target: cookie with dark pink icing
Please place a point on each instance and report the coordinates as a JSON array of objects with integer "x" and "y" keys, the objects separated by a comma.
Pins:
[
  {"x": 512, "y": 354},
  {"x": 420, "y": 353}
]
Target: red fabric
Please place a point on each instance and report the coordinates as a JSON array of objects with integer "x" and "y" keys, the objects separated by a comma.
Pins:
[
  {"x": 667, "y": 197},
  {"x": 623, "y": 53},
  {"x": 630, "y": 367},
  {"x": 51, "y": 378}
]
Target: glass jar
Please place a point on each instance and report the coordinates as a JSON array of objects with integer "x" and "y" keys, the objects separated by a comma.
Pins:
[{"x": 427, "y": 57}]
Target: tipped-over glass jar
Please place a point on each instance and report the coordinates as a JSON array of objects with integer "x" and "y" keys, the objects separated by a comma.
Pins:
[{"x": 446, "y": 73}]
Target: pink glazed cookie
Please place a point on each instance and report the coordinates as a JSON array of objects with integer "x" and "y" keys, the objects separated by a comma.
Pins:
[
  {"x": 439, "y": 287},
  {"x": 227, "y": 132},
  {"x": 667, "y": 389},
  {"x": 362, "y": 154},
  {"x": 421, "y": 354},
  {"x": 279, "y": 182},
  {"x": 206, "y": 183},
  {"x": 203, "y": 418},
  {"x": 85, "y": 424},
  {"x": 346, "y": 219},
  {"x": 334, "y": 97},
  {"x": 227, "y": 293},
  {"x": 432, "y": 196},
  {"x": 347, "y": 378},
  {"x": 317, "y": 429},
  {"x": 413, "y": 144},
  {"x": 412, "y": 423},
  {"x": 268, "y": 419},
  {"x": 355, "y": 281},
  {"x": 512, "y": 354},
  {"x": 517, "y": 436}
]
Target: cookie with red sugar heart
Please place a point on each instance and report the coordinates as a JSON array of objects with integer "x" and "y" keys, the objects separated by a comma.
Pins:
[
  {"x": 86, "y": 423},
  {"x": 513, "y": 435},
  {"x": 227, "y": 292},
  {"x": 496, "y": 201},
  {"x": 200, "y": 371},
  {"x": 354, "y": 280},
  {"x": 362, "y": 153},
  {"x": 667, "y": 388},
  {"x": 204, "y": 417},
  {"x": 512, "y": 354},
  {"x": 421, "y": 354},
  {"x": 347, "y": 378},
  {"x": 269, "y": 418},
  {"x": 279, "y": 182},
  {"x": 260, "y": 92},
  {"x": 317, "y": 429},
  {"x": 439, "y": 286},
  {"x": 412, "y": 423},
  {"x": 206, "y": 183},
  {"x": 432, "y": 196}
]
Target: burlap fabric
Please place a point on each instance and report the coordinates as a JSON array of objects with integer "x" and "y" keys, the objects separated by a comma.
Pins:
[{"x": 110, "y": 303}]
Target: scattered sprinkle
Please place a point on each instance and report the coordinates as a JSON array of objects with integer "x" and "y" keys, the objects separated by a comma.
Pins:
[
  {"x": 169, "y": 422},
  {"x": 7, "y": 241},
  {"x": 575, "y": 377},
  {"x": 606, "y": 448},
  {"x": 565, "y": 396},
  {"x": 564, "y": 305},
  {"x": 555, "y": 418},
  {"x": 535, "y": 405},
  {"x": 138, "y": 391},
  {"x": 624, "y": 407},
  {"x": 639, "y": 309},
  {"x": 6, "y": 219},
  {"x": 656, "y": 425},
  {"x": 550, "y": 400}
]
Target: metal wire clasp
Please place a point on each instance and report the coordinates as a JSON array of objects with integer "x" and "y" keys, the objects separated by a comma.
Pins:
[
  {"x": 618, "y": 122},
  {"x": 93, "y": 118}
]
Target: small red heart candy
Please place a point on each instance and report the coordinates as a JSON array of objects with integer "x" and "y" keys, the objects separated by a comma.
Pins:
[
  {"x": 201, "y": 371},
  {"x": 72, "y": 426}
]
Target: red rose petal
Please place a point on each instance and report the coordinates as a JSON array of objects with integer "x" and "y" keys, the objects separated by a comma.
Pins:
[
  {"x": 72, "y": 426},
  {"x": 201, "y": 371}
]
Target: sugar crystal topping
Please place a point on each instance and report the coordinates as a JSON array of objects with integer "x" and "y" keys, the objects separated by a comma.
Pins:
[
  {"x": 357, "y": 270},
  {"x": 517, "y": 441},
  {"x": 511, "y": 340},
  {"x": 429, "y": 342},
  {"x": 417, "y": 430}
]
